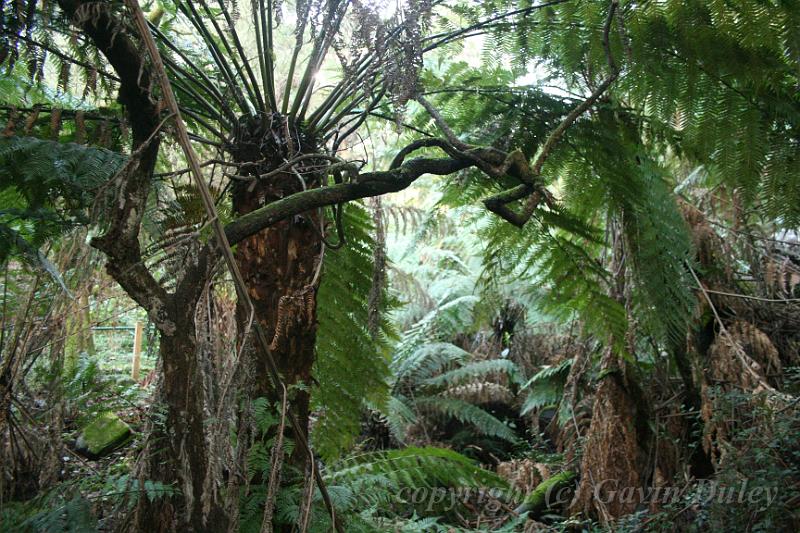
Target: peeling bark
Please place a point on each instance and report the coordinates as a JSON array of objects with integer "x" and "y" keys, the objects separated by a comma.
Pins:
[{"x": 180, "y": 452}]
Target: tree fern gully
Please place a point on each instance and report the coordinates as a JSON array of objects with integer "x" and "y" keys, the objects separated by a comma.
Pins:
[{"x": 279, "y": 263}]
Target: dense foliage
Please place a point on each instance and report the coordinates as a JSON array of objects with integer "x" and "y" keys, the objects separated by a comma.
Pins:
[{"x": 578, "y": 310}]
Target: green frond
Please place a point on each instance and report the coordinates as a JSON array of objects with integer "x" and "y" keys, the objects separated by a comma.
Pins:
[
  {"x": 71, "y": 515},
  {"x": 543, "y": 395},
  {"x": 549, "y": 372},
  {"x": 399, "y": 416},
  {"x": 427, "y": 359},
  {"x": 352, "y": 368},
  {"x": 369, "y": 488},
  {"x": 545, "y": 388},
  {"x": 474, "y": 370},
  {"x": 414, "y": 467},
  {"x": 468, "y": 413},
  {"x": 47, "y": 188},
  {"x": 660, "y": 247}
]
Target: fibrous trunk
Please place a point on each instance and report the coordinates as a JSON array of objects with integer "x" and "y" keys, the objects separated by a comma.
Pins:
[
  {"x": 279, "y": 264},
  {"x": 612, "y": 467}
]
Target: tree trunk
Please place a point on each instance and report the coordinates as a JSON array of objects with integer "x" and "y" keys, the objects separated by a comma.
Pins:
[
  {"x": 180, "y": 454},
  {"x": 279, "y": 263},
  {"x": 179, "y": 448},
  {"x": 612, "y": 467}
]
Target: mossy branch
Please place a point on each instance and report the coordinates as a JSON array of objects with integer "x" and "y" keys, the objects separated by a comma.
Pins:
[{"x": 541, "y": 498}]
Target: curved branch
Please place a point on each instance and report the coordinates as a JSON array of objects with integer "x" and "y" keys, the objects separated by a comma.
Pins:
[
  {"x": 120, "y": 242},
  {"x": 369, "y": 184},
  {"x": 499, "y": 204},
  {"x": 419, "y": 144}
]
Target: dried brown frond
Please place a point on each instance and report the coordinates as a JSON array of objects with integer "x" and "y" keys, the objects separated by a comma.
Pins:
[
  {"x": 567, "y": 437},
  {"x": 758, "y": 345},
  {"x": 532, "y": 350},
  {"x": 612, "y": 449},
  {"x": 742, "y": 357},
  {"x": 781, "y": 276},
  {"x": 709, "y": 247}
]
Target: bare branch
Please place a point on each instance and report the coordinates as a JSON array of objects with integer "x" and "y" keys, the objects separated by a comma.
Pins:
[{"x": 442, "y": 124}]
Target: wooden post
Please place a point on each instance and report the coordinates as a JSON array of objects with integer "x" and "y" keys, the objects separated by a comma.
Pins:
[{"x": 137, "y": 350}]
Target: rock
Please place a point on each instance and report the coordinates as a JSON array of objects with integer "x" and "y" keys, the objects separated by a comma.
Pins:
[{"x": 102, "y": 435}]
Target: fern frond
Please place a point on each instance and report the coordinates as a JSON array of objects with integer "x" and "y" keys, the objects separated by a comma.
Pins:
[
  {"x": 426, "y": 360},
  {"x": 467, "y": 413},
  {"x": 415, "y": 467},
  {"x": 549, "y": 372},
  {"x": 399, "y": 416},
  {"x": 352, "y": 367},
  {"x": 47, "y": 188},
  {"x": 474, "y": 370}
]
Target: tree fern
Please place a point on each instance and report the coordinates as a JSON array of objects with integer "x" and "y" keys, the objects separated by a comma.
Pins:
[
  {"x": 424, "y": 371},
  {"x": 721, "y": 75}
]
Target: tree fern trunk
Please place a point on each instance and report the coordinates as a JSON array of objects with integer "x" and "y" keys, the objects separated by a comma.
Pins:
[
  {"x": 278, "y": 266},
  {"x": 612, "y": 463},
  {"x": 279, "y": 263}
]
